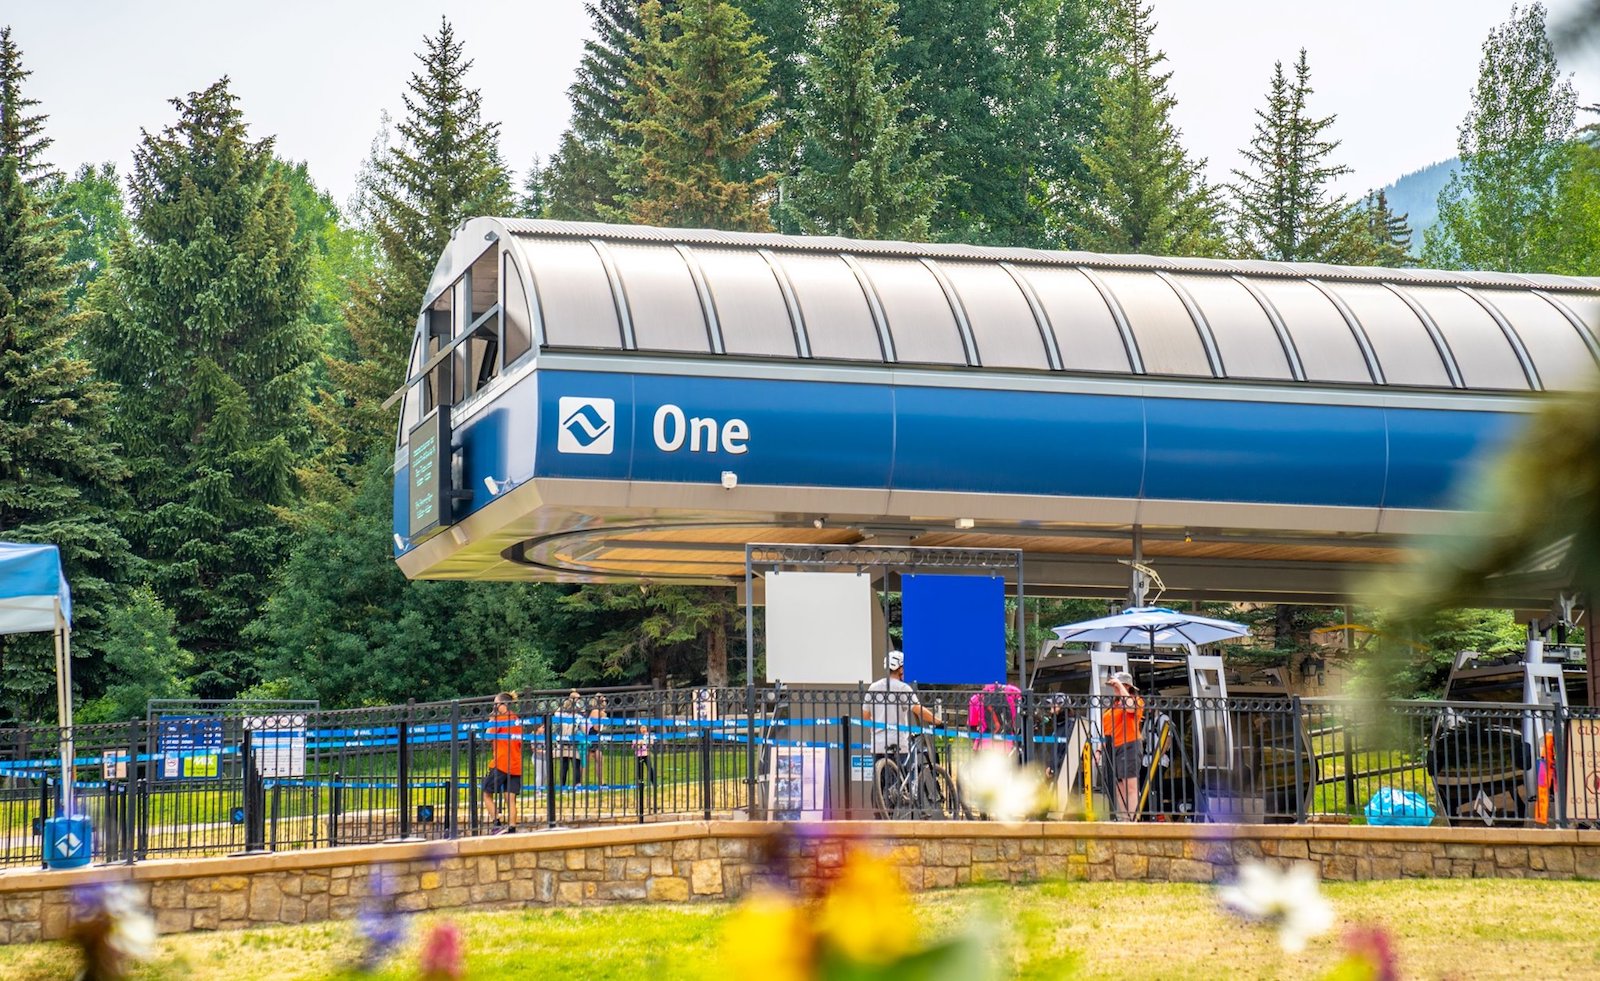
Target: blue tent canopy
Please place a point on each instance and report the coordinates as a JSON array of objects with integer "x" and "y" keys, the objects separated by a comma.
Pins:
[{"x": 34, "y": 597}]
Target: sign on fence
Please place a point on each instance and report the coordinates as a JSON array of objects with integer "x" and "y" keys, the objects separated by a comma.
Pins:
[
  {"x": 1582, "y": 781},
  {"x": 798, "y": 786},
  {"x": 114, "y": 765},
  {"x": 279, "y": 744},
  {"x": 188, "y": 746}
]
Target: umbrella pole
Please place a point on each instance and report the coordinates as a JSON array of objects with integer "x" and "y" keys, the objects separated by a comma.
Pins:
[{"x": 64, "y": 710}]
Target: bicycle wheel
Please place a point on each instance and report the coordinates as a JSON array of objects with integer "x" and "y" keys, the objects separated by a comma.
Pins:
[
  {"x": 889, "y": 789},
  {"x": 937, "y": 796}
]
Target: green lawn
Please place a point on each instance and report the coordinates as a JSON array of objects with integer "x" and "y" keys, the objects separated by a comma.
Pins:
[{"x": 1448, "y": 929}]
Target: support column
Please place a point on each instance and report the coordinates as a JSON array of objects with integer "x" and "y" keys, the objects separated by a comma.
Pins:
[{"x": 1591, "y": 656}]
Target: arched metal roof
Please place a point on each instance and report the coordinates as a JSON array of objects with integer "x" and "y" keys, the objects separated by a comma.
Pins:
[{"x": 708, "y": 293}]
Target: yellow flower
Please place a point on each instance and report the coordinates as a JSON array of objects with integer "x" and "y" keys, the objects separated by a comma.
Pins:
[
  {"x": 866, "y": 915},
  {"x": 768, "y": 936}
]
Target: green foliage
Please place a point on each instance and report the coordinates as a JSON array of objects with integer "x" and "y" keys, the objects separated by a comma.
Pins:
[
  {"x": 91, "y": 212},
  {"x": 1500, "y": 210},
  {"x": 697, "y": 110},
  {"x": 443, "y": 167},
  {"x": 344, "y": 625},
  {"x": 1285, "y": 207},
  {"x": 143, "y": 658},
  {"x": 1378, "y": 236},
  {"x": 337, "y": 255},
  {"x": 863, "y": 171},
  {"x": 205, "y": 333},
  {"x": 61, "y": 479},
  {"x": 1140, "y": 192},
  {"x": 1412, "y": 658},
  {"x": 581, "y": 180},
  {"x": 1009, "y": 86},
  {"x": 653, "y": 632},
  {"x": 534, "y": 200}
]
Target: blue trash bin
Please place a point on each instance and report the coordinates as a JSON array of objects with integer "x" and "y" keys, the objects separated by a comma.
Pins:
[{"x": 68, "y": 841}]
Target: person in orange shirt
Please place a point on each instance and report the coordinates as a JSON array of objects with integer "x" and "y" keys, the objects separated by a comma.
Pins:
[
  {"x": 505, "y": 773},
  {"x": 1123, "y": 726}
]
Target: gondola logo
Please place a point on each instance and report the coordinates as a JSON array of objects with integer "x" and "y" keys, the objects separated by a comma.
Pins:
[{"x": 587, "y": 425}]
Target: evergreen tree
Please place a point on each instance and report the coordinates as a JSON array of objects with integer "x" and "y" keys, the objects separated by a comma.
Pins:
[
  {"x": 1499, "y": 210},
  {"x": 1140, "y": 192},
  {"x": 581, "y": 179},
  {"x": 91, "y": 212},
  {"x": 61, "y": 479},
  {"x": 863, "y": 172},
  {"x": 534, "y": 200},
  {"x": 204, "y": 331},
  {"x": 1008, "y": 85},
  {"x": 143, "y": 660},
  {"x": 1378, "y": 236},
  {"x": 443, "y": 167},
  {"x": 1286, "y": 210},
  {"x": 698, "y": 110}
]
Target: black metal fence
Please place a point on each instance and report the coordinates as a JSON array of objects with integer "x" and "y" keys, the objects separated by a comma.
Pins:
[{"x": 170, "y": 786}]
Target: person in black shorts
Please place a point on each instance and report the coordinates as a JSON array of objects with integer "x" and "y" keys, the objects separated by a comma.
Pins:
[{"x": 505, "y": 772}]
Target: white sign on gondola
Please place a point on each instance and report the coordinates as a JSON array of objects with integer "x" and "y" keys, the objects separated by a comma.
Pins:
[{"x": 278, "y": 744}]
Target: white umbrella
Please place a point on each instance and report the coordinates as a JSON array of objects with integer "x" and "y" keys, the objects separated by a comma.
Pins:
[{"x": 1152, "y": 626}]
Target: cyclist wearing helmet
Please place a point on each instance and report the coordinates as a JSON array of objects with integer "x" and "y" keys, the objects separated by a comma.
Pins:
[{"x": 891, "y": 706}]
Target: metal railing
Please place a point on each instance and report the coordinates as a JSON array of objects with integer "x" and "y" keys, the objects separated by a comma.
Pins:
[{"x": 294, "y": 780}]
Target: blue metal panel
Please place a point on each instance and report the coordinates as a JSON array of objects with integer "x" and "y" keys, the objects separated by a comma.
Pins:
[
  {"x": 955, "y": 629},
  {"x": 1264, "y": 452},
  {"x": 402, "y": 523},
  {"x": 1018, "y": 442},
  {"x": 1430, "y": 450}
]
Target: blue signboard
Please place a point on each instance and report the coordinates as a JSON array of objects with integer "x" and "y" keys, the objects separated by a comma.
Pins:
[
  {"x": 954, "y": 629},
  {"x": 188, "y": 746}
]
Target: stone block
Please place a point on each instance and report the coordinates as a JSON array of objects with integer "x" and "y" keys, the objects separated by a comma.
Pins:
[
  {"x": 733, "y": 848},
  {"x": 314, "y": 883},
  {"x": 233, "y": 906},
  {"x": 1508, "y": 856},
  {"x": 460, "y": 877},
  {"x": 293, "y": 909},
  {"x": 56, "y": 920},
  {"x": 167, "y": 921},
  {"x": 1130, "y": 867},
  {"x": 1294, "y": 848},
  {"x": 163, "y": 895},
  {"x": 554, "y": 861},
  {"x": 489, "y": 870},
  {"x": 635, "y": 869},
  {"x": 266, "y": 899},
  {"x": 341, "y": 872},
  {"x": 651, "y": 849},
  {"x": 429, "y": 880},
  {"x": 204, "y": 919},
  {"x": 544, "y": 887},
  {"x": 990, "y": 872},
  {"x": 666, "y": 888},
  {"x": 985, "y": 851},
  {"x": 830, "y": 854},
  {"x": 1099, "y": 852},
  {"x": 237, "y": 883},
  {"x": 317, "y": 908},
  {"x": 1190, "y": 870},
  {"x": 620, "y": 851},
  {"x": 570, "y": 893},
  {"x": 956, "y": 853},
  {"x": 27, "y": 933},
  {"x": 1468, "y": 852},
  {"x": 660, "y": 865},
  {"x": 575, "y": 859},
  {"x": 911, "y": 877},
  {"x": 201, "y": 900},
  {"x": 492, "y": 892},
  {"x": 686, "y": 849},
  {"x": 939, "y": 877},
  {"x": 1386, "y": 868},
  {"x": 411, "y": 902},
  {"x": 620, "y": 891},
  {"x": 525, "y": 860},
  {"x": 290, "y": 884},
  {"x": 1587, "y": 862},
  {"x": 1560, "y": 859},
  {"x": 1339, "y": 868},
  {"x": 705, "y": 877},
  {"x": 1416, "y": 862},
  {"x": 339, "y": 887}
]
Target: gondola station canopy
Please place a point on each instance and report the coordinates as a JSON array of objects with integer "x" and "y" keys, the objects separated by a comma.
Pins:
[{"x": 613, "y": 403}]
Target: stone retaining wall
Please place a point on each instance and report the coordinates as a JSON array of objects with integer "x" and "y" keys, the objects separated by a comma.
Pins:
[{"x": 696, "y": 861}]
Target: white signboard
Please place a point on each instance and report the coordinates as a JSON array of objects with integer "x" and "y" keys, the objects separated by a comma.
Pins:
[
  {"x": 819, "y": 627},
  {"x": 798, "y": 783},
  {"x": 279, "y": 744}
]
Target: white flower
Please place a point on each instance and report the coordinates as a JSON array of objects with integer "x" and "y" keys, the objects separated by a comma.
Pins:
[
  {"x": 1290, "y": 900},
  {"x": 132, "y": 931},
  {"x": 993, "y": 784}
]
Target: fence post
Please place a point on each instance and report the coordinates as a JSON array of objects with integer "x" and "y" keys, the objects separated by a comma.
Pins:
[
  {"x": 335, "y": 808},
  {"x": 1558, "y": 779},
  {"x": 846, "y": 737},
  {"x": 453, "y": 799},
  {"x": 474, "y": 800},
  {"x": 1346, "y": 730},
  {"x": 1027, "y": 727},
  {"x": 44, "y": 815},
  {"x": 128, "y": 797},
  {"x": 277, "y": 809},
  {"x": 253, "y": 840},
  {"x": 705, "y": 771},
  {"x": 549, "y": 770},
  {"x": 750, "y": 746},
  {"x": 403, "y": 751},
  {"x": 1300, "y": 743}
]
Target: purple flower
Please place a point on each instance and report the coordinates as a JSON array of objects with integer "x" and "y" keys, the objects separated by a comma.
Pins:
[
  {"x": 380, "y": 926},
  {"x": 112, "y": 927}
]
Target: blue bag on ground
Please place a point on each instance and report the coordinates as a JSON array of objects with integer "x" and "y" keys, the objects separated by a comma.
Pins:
[{"x": 1402, "y": 807}]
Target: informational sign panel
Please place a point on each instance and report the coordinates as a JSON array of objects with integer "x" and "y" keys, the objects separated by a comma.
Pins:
[
  {"x": 954, "y": 629},
  {"x": 797, "y": 788},
  {"x": 188, "y": 745},
  {"x": 1582, "y": 782},
  {"x": 429, "y": 459},
  {"x": 278, "y": 744},
  {"x": 114, "y": 765},
  {"x": 819, "y": 627}
]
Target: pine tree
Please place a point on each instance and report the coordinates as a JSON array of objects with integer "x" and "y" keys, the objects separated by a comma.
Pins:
[
  {"x": 581, "y": 178},
  {"x": 1286, "y": 209},
  {"x": 443, "y": 167},
  {"x": 698, "y": 110},
  {"x": 534, "y": 200},
  {"x": 1500, "y": 209},
  {"x": 863, "y": 171},
  {"x": 204, "y": 331},
  {"x": 91, "y": 211},
  {"x": 61, "y": 478},
  {"x": 1140, "y": 192},
  {"x": 1378, "y": 236}
]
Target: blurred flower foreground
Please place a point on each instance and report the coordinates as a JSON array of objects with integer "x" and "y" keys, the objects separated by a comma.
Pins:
[{"x": 861, "y": 924}]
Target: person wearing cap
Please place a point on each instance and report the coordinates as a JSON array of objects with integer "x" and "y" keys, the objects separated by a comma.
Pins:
[
  {"x": 1123, "y": 726},
  {"x": 891, "y": 705}
]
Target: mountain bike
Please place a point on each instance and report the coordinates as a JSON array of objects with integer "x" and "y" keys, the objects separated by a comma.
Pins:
[{"x": 915, "y": 785}]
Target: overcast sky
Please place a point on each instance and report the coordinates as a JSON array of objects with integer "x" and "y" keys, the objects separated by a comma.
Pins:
[{"x": 317, "y": 74}]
